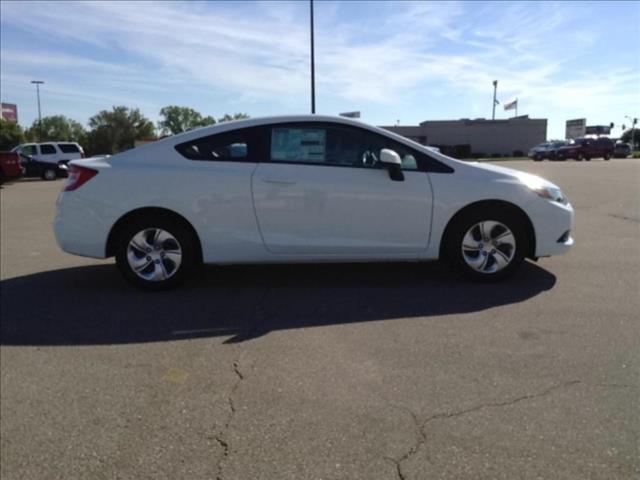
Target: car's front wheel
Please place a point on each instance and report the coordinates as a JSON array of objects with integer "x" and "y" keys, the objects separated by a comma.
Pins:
[
  {"x": 486, "y": 246},
  {"x": 156, "y": 253}
]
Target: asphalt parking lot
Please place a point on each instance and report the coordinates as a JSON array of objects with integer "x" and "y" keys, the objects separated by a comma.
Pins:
[{"x": 370, "y": 371}]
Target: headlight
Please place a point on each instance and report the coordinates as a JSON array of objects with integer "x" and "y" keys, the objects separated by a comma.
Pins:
[{"x": 551, "y": 193}]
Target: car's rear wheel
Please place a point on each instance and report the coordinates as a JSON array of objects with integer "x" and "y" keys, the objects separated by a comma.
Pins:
[
  {"x": 49, "y": 174},
  {"x": 579, "y": 157},
  {"x": 486, "y": 245},
  {"x": 156, "y": 253},
  {"x": 607, "y": 156}
]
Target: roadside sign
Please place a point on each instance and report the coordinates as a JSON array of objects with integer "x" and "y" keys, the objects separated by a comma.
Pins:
[
  {"x": 10, "y": 112},
  {"x": 598, "y": 130},
  {"x": 575, "y": 128}
]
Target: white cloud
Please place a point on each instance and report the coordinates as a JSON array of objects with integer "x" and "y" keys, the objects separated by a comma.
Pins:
[{"x": 382, "y": 54}]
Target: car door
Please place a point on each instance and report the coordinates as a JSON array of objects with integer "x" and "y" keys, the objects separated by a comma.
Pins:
[{"x": 323, "y": 192}]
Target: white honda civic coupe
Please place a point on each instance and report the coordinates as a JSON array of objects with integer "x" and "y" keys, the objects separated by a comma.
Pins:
[{"x": 304, "y": 188}]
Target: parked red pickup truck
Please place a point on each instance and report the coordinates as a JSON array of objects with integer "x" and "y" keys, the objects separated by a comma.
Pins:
[{"x": 9, "y": 166}]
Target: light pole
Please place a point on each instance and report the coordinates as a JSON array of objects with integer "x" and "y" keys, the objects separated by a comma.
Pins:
[
  {"x": 495, "y": 89},
  {"x": 634, "y": 121},
  {"x": 37, "y": 83},
  {"x": 313, "y": 72}
]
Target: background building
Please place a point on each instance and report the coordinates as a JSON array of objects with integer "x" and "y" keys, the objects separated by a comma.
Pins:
[{"x": 480, "y": 137}]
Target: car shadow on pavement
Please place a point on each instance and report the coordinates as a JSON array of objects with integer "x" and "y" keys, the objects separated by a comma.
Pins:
[{"x": 92, "y": 305}]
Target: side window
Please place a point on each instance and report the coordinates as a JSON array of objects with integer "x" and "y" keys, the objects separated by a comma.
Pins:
[
  {"x": 68, "y": 148},
  {"x": 47, "y": 149},
  {"x": 29, "y": 150},
  {"x": 237, "y": 145},
  {"x": 334, "y": 145},
  {"x": 303, "y": 145}
]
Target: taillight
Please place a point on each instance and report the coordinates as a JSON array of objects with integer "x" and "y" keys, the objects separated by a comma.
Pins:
[{"x": 78, "y": 176}]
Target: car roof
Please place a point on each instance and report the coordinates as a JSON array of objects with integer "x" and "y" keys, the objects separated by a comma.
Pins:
[
  {"x": 259, "y": 121},
  {"x": 174, "y": 140}
]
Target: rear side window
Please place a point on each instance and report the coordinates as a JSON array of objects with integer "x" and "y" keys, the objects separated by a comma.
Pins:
[
  {"x": 68, "y": 148},
  {"x": 234, "y": 146},
  {"x": 47, "y": 149}
]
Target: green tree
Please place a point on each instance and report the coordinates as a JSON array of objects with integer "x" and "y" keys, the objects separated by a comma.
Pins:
[
  {"x": 116, "y": 130},
  {"x": 11, "y": 134},
  {"x": 56, "y": 128},
  {"x": 235, "y": 116},
  {"x": 181, "y": 119}
]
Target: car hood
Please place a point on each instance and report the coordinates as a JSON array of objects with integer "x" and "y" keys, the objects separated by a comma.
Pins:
[{"x": 510, "y": 174}]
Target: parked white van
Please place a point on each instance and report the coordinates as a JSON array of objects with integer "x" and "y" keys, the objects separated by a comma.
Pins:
[{"x": 53, "y": 152}]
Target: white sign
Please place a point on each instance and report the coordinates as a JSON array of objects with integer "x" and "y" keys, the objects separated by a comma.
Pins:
[{"x": 575, "y": 128}]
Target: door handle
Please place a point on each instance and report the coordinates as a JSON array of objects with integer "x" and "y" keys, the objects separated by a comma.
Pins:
[{"x": 280, "y": 181}]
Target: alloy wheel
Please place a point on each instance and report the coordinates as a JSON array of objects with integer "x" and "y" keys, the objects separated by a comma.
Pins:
[
  {"x": 154, "y": 254},
  {"x": 488, "y": 246}
]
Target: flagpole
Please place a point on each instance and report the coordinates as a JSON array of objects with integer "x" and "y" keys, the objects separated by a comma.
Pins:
[
  {"x": 495, "y": 88},
  {"x": 313, "y": 70}
]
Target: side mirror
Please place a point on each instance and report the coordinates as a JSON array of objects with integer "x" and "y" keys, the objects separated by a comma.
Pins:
[{"x": 392, "y": 161}]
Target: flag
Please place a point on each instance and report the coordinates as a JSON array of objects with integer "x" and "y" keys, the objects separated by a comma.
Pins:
[{"x": 511, "y": 105}]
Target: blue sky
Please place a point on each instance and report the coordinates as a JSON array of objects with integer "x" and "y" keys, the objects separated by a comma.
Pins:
[{"x": 393, "y": 61}]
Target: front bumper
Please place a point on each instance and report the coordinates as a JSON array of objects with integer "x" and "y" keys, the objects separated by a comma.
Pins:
[{"x": 553, "y": 224}]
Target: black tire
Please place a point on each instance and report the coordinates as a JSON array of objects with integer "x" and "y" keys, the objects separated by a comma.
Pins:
[
  {"x": 607, "y": 156},
  {"x": 537, "y": 158},
  {"x": 452, "y": 247},
  {"x": 579, "y": 157},
  {"x": 182, "y": 233},
  {"x": 49, "y": 174}
]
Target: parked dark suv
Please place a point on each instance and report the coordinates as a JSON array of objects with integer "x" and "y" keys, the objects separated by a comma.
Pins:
[
  {"x": 586, "y": 149},
  {"x": 622, "y": 150}
]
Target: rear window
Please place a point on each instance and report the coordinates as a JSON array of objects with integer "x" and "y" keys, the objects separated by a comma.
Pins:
[
  {"x": 68, "y": 148},
  {"x": 47, "y": 149}
]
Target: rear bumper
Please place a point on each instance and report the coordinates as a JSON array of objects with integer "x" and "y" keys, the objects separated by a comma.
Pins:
[{"x": 81, "y": 227}]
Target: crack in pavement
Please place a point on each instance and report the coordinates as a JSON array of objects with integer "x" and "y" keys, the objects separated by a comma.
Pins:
[
  {"x": 221, "y": 436},
  {"x": 624, "y": 217},
  {"x": 252, "y": 332},
  {"x": 614, "y": 385},
  {"x": 444, "y": 415}
]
